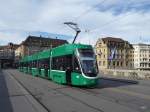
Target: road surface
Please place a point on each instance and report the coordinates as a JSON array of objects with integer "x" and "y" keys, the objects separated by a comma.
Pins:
[{"x": 24, "y": 93}]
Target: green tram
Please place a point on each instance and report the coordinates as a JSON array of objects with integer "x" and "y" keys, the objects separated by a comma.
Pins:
[{"x": 72, "y": 64}]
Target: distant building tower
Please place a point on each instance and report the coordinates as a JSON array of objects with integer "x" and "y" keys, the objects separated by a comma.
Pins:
[{"x": 114, "y": 53}]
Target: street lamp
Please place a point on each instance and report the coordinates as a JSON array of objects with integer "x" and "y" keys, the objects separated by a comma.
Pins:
[{"x": 75, "y": 27}]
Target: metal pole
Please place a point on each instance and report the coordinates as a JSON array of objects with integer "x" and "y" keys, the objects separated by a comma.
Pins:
[
  {"x": 75, "y": 27},
  {"x": 0, "y": 65},
  {"x": 50, "y": 60},
  {"x": 75, "y": 36}
]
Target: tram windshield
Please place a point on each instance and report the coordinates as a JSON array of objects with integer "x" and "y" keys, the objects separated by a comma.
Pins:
[{"x": 88, "y": 62}]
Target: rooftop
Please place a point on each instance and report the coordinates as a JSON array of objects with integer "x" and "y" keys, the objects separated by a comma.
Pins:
[
  {"x": 9, "y": 46},
  {"x": 141, "y": 44},
  {"x": 40, "y": 38},
  {"x": 112, "y": 39}
]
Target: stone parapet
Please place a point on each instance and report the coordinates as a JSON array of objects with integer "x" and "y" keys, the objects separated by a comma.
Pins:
[{"x": 129, "y": 74}]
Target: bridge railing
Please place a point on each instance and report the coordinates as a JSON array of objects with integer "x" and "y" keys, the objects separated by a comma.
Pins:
[{"x": 129, "y": 74}]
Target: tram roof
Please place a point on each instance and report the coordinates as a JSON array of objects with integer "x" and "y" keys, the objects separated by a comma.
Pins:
[
  {"x": 57, "y": 51},
  {"x": 68, "y": 49}
]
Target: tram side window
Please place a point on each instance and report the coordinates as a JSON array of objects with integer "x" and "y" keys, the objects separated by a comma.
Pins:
[
  {"x": 33, "y": 64},
  {"x": 20, "y": 64},
  {"x": 44, "y": 63},
  {"x": 36, "y": 63},
  {"x": 62, "y": 62},
  {"x": 68, "y": 62},
  {"x": 29, "y": 64},
  {"x": 39, "y": 64},
  {"x": 55, "y": 63},
  {"x": 25, "y": 64}
]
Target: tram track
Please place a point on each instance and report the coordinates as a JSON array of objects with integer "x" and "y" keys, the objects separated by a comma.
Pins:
[
  {"x": 95, "y": 93},
  {"x": 134, "y": 95},
  {"x": 111, "y": 99},
  {"x": 77, "y": 99}
]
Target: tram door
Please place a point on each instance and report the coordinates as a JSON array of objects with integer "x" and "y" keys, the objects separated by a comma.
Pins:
[
  {"x": 68, "y": 75},
  {"x": 46, "y": 70},
  {"x": 46, "y": 66},
  {"x": 68, "y": 64}
]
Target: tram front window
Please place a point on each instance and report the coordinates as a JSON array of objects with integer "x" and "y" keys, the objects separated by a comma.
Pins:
[
  {"x": 86, "y": 53},
  {"x": 88, "y": 62}
]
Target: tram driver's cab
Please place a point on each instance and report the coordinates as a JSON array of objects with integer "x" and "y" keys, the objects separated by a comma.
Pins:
[{"x": 87, "y": 62}]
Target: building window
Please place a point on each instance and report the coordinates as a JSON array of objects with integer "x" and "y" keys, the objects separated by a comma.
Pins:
[
  {"x": 114, "y": 63},
  {"x": 121, "y": 50},
  {"x": 109, "y": 63},
  {"x": 117, "y": 63},
  {"x": 104, "y": 63},
  {"x": 126, "y": 63},
  {"x": 121, "y": 64},
  {"x": 99, "y": 63},
  {"x": 100, "y": 51}
]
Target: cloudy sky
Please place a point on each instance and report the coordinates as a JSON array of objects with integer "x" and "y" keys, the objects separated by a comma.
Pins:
[{"x": 127, "y": 19}]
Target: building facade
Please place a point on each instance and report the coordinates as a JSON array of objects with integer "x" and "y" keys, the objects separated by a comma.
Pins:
[
  {"x": 34, "y": 44},
  {"x": 7, "y": 54},
  {"x": 141, "y": 56},
  {"x": 114, "y": 53}
]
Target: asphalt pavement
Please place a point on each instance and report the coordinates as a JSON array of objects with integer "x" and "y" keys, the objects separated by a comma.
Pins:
[
  {"x": 14, "y": 98},
  {"x": 21, "y": 92}
]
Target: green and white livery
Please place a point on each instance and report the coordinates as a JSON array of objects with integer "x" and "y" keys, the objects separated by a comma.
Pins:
[{"x": 73, "y": 64}]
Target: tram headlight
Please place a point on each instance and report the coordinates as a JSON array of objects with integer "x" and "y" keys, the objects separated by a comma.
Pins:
[{"x": 77, "y": 77}]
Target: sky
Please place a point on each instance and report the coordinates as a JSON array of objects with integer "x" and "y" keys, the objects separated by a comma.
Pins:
[{"x": 126, "y": 19}]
